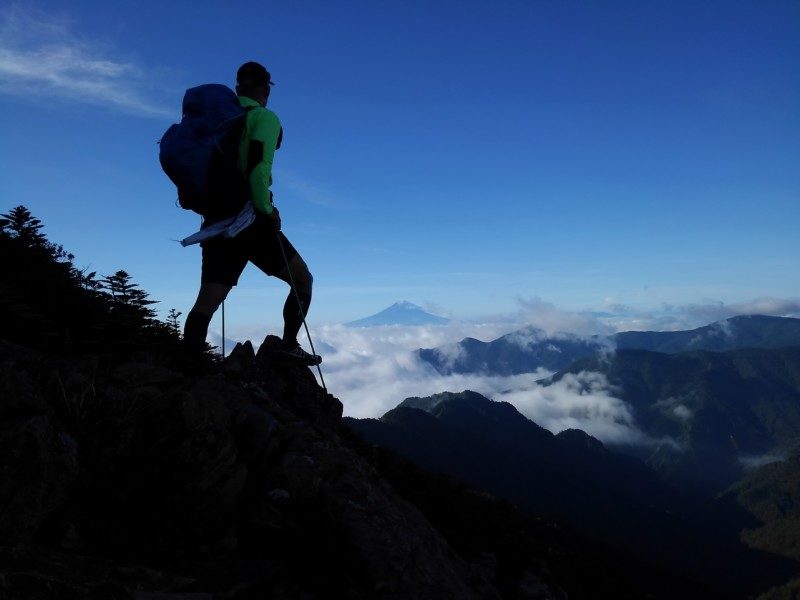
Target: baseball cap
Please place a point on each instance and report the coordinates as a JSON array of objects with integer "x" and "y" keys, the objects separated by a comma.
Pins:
[{"x": 253, "y": 74}]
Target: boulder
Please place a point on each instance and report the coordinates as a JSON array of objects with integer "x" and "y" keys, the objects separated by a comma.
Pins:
[
  {"x": 296, "y": 388},
  {"x": 38, "y": 467}
]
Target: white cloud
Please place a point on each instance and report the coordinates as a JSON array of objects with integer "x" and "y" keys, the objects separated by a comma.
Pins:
[
  {"x": 311, "y": 192},
  {"x": 450, "y": 353},
  {"x": 682, "y": 412},
  {"x": 527, "y": 337},
  {"x": 40, "y": 54},
  {"x": 373, "y": 369},
  {"x": 696, "y": 315},
  {"x": 674, "y": 406},
  {"x": 583, "y": 401},
  {"x": 690, "y": 316},
  {"x": 755, "y": 461},
  {"x": 553, "y": 321},
  {"x": 717, "y": 311}
]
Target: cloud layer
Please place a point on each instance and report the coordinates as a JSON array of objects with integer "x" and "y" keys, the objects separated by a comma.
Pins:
[
  {"x": 554, "y": 321},
  {"x": 40, "y": 54},
  {"x": 371, "y": 370},
  {"x": 579, "y": 401}
]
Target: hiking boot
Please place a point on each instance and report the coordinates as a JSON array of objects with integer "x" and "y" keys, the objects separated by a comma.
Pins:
[{"x": 294, "y": 353}]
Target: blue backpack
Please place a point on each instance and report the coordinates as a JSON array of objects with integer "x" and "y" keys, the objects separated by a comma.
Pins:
[{"x": 199, "y": 154}]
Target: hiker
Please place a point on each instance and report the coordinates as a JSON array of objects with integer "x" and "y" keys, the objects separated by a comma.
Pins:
[{"x": 261, "y": 240}]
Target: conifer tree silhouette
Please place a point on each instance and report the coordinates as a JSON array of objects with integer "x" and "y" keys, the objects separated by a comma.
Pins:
[
  {"x": 50, "y": 305},
  {"x": 127, "y": 297},
  {"x": 172, "y": 321},
  {"x": 25, "y": 227}
]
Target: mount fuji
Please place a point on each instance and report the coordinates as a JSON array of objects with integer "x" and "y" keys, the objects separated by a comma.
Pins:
[{"x": 400, "y": 313}]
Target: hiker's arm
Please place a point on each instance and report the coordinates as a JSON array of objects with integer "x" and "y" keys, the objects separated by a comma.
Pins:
[{"x": 263, "y": 140}]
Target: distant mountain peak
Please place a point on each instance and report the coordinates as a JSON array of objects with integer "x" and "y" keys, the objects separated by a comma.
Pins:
[
  {"x": 741, "y": 331},
  {"x": 429, "y": 403},
  {"x": 400, "y": 313},
  {"x": 405, "y": 304}
]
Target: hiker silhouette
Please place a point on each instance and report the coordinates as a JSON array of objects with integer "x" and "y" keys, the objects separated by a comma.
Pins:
[{"x": 233, "y": 233}]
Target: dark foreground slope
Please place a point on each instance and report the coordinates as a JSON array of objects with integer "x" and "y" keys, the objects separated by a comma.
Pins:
[{"x": 128, "y": 478}]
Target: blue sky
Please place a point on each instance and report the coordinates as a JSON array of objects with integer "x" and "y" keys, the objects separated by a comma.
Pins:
[{"x": 469, "y": 156}]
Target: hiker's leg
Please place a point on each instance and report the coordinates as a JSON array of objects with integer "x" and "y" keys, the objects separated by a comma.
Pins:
[
  {"x": 195, "y": 329},
  {"x": 293, "y": 313},
  {"x": 270, "y": 251},
  {"x": 210, "y": 297},
  {"x": 223, "y": 263}
]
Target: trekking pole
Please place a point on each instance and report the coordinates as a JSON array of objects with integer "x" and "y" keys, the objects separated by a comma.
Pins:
[
  {"x": 223, "y": 329},
  {"x": 300, "y": 304}
]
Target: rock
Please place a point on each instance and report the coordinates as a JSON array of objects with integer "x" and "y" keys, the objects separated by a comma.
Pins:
[
  {"x": 241, "y": 358},
  {"x": 270, "y": 343},
  {"x": 10, "y": 351},
  {"x": 484, "y": 566},
  {"x": 530, "y": 586},
  {"x": 32, "y": 571},
  {"x": 254, "y": 429},
  {"x": 20, "y": 394},
  {"x": 38, "y": 466},
  {"x": 144, "y": 374},
  {"x": 296, "y": 389},
  {"x": 166, "y": 481},
  {"x": 278, "y": 494},
  {"x": 398, "y": 552}
]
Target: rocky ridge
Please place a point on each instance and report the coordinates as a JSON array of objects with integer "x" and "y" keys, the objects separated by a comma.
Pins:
[{"x": 134, "y": 481}]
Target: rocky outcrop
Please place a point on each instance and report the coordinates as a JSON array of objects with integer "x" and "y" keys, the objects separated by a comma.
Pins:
[
  {"x": 38, "y": 458},
  {"x": 132, "y": 481}
]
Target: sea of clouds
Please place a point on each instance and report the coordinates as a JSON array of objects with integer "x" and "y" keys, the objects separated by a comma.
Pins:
[{"x": 372, "y": 369}]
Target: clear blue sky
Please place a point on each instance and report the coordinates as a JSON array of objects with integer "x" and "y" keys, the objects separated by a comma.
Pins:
[{"x": 464, "y": 154}]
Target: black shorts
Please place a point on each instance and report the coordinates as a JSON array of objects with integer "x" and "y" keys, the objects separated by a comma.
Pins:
[{"x": 224, "y": 259}]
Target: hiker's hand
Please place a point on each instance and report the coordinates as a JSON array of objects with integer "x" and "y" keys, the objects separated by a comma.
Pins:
[{"x": 275, "y": 216}]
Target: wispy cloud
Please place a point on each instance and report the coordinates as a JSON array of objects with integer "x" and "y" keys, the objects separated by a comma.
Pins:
[
  {"x": 671, "y": 317},
  {"x": 309, "y": 191},
  {"x": 715, "y": 311},
  {"x": 756, "y": 461},
  {"x": 40, "y": 53},
  {"x": 382, "y": 251},
  {"x": 583, "y": 401},
  {"x": 552, "y": 320}
]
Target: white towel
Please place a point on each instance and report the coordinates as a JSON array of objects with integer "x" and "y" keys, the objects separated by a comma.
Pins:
[{"x": 229, "y": 227}]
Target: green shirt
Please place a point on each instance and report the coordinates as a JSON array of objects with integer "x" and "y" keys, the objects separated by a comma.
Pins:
[{"x": 260, "y": 139}]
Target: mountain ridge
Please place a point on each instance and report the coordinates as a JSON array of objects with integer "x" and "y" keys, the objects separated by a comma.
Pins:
[
  {"x": 717, "y": 406},
  {"x": 622, "y": 499},
  {"x": 528, "y": 349}
]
